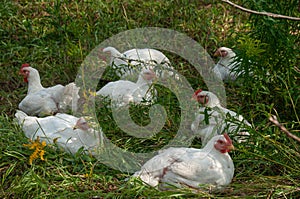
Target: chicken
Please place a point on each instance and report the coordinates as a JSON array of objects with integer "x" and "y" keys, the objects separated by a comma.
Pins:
[
  {"x": 71, "y": 133},
  {"x": 224, "y": 68},
  {"x": 123, "y": 91},
  {"x": 191, "y": 167},
  {"x": 131, "y": 62},
  {"x": 41, "y": 101},
  {"x": 69, "y": 99},
  {"x": 213, "y": 119}
]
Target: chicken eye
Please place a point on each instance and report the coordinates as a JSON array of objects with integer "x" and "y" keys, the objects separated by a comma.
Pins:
[{"x": 220, "y": 141}]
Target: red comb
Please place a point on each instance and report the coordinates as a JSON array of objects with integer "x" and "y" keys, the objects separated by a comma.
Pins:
[
  {"x": 227, "y": 138},
  {"x": 197, "y": 92},
  {"x": 21, "y": 71},
  {"x": 25, "y": 65}
]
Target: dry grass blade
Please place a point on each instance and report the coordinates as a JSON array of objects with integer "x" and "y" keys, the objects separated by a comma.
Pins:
[
  {"x": 274, "y": 120},
  {"x": 261, "y": 13}
]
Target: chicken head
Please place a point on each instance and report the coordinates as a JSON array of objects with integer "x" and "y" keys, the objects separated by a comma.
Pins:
[
  {"x": 25, "y": 72},
  {"x": 222, "y": 52},
  {"x": 224, "y": 145},
  {"x": 148, "y": 74}
]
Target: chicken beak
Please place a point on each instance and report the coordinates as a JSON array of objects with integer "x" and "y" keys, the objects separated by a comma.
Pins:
[
  {"x": 25, "y": 74},
  {"x": 21, "y": 72},
  {"x": 217, "y": 53},
  {"x": 81, "y": 124},
  {"x": 194, "y": 97},
  {"x": 230, "y": 147},
  {"x": 154, "y": 77}
]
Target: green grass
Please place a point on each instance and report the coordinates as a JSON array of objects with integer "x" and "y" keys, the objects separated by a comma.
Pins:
[{"x": 56, "y": 36}]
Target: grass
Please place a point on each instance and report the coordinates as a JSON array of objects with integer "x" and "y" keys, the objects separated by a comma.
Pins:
[{"x": 56, "y": 36}]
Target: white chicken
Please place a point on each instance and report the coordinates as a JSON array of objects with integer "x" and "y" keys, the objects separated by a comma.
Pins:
[
  {"x": 69, "y": 99},
  {"x": 191, "y": 167},
  {"x": 71, "y": 132},
  {"x": 122, "y": 92},
  {"x": 213, "y": 119},
  {"x": 42, "y": 101},
  {"x": 224, "y": 68},
  {"x": 131, "y": 62}
]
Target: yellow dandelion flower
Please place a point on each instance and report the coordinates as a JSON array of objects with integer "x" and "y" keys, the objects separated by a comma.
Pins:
[
  {"x": 92, "y": 93},
  {"x": 85, "y": 95},
  {"x": 88, "y": 94},
  {"x": 38, "y": 149},
  {"x": 44, "y": 143}
]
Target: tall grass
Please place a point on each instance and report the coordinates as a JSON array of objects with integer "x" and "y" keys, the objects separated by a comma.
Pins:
[{"x": 55, "y": 36}]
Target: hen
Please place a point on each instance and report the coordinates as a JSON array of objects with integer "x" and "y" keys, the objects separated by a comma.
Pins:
[
  {"x": 123, "y": 91},
  {"x": 71, "y": 132},
  {"x": 41, "y": 101},
  {"x": 213, "y": 119},
  {"x": 191, "y": 167},
  {"x": 131, "y": 62},
  {"x": 224, "y": 68}
]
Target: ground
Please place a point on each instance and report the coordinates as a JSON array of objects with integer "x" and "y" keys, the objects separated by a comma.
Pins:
[{"x": 56, "y": 36}]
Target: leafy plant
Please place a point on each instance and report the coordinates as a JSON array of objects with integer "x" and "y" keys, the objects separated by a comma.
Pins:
[{"x": 55, "y": 36}]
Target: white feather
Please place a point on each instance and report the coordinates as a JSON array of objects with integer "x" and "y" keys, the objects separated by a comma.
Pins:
[
  {"x": 188, "y": 167},
  {"x": 213, "y": 119},
  {"x": 224, "y": 68},
  {"x": 61, "y": 127},
  {"x": 130, "y": 63},
  {"x": 124, "y": 92},
  {"x": 42, "y": 101}
]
